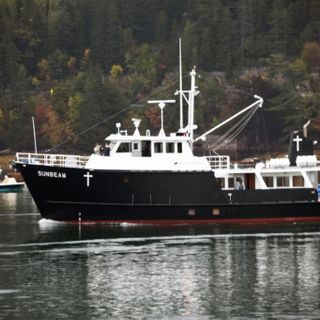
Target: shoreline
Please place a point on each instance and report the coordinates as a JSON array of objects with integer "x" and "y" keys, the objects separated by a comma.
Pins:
[{"x": 5, "y": 162}]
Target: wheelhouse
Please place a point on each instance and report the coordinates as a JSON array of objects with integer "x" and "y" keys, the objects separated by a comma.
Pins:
[{"x": 146, "y": 146}]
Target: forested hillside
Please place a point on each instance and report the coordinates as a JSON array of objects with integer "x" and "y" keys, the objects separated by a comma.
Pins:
[{"x": 79, "y": 66}]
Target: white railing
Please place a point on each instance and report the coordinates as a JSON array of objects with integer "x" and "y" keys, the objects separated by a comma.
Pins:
[
  {"x": 219, "y": 162},
  {"x": 54, "y": 160}
]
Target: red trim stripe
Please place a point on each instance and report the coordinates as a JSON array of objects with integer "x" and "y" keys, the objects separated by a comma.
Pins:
[{"x": 204, "y": 221}]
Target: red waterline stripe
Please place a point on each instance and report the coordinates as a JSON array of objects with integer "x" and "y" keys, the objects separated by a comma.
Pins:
[{"x": 202, "y": 221}]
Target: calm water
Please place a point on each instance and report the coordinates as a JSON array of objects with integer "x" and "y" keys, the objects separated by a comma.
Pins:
[{"x": 57, "y": 271}]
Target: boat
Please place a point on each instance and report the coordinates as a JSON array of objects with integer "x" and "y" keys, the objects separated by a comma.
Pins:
[
  {"x": 145, "y": 178},
  {"x": 10, "y": 184}
]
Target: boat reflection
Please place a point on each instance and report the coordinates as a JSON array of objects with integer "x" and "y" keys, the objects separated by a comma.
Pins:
[
  {"x": 8, "y": 199},
  {"x": 139, "y": 271},
  {"x": 184, "y": 275},
  {"x": 17, "y": 203},
  {"x": 119, "y": 230}
]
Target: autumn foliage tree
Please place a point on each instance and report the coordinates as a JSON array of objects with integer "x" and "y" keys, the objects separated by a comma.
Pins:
[{"x": 88, "y": 60}]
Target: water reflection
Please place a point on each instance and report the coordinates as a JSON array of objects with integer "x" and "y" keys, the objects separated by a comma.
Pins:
[
  {"x": 269, "y": 276},
  {"x": 8, "y": 199},
  {"x": 17, "y": 202},
  {"x": 53, "y": 270}
]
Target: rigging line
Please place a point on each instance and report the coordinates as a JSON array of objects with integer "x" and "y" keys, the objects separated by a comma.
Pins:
[
  {"x": 265, "y": 134},
  {"x": 239, "y": 124},
  {"x": 226, "y": 136},
  {"x": 236, "y": 133},
  {"x": 283, "y": 104},
  {"x": 237, "y": 130},
  {"x": 113, "y": 115},
  {"x": 90, "y": 128},
  {"x": 236, "y": 126},
  {"x": 232, "y": 137}
]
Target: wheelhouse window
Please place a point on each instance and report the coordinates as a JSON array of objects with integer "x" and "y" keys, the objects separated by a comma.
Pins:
[
  {"x": 146, "y": 148},
  {"x": 169, "y": 147},
  {"x": 135, "y": 146},
  {"x": 124, "y": 147},
  {"x": 179, "y": 147},
  {"x": 158, "y": 147}
]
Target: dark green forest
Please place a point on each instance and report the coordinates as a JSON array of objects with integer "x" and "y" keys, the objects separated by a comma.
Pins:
[{"x": 80, "y": 66}]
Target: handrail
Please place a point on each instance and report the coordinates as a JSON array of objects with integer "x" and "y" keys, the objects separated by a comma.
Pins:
[{"x": 53, "y": 160}]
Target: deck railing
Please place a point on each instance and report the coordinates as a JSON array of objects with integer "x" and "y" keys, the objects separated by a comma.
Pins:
[
  {"x": 53, "y": 160},
  {"x": 219, "y": 162}
]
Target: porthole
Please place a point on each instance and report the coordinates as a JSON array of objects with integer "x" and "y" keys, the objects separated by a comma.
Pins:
[
  {"x": 215, "y": 211},
  {"x": 125, "y": 179},
  {"x": 191, "y": 212}
]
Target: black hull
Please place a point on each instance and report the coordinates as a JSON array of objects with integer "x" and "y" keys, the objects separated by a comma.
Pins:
[
  {"x": 69, "y": 194},
  {"x": 235, "y": 213}
]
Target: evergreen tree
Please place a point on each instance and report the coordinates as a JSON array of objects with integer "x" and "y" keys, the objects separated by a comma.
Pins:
[
  {"x": 190, "y": 41},
  {"x": 61, "y": 45},
  {"x": 161, "y": 28},
  {"x": 279, "y": 27},
  {"x": 142, "y": 68},
  {"x": 106, "y": 34}
]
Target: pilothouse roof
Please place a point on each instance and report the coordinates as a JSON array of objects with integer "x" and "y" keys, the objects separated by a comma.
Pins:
[{"x": 127, "y": 138}]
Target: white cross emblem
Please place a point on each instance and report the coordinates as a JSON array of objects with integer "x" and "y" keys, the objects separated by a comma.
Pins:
[
  {"x": 88, "y": 176},
  {"x": 297, "y": 140}
]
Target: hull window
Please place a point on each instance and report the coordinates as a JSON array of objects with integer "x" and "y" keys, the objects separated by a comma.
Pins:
[
  {"x": 215, "y": 211},
  {"x": 191, "y": 212},
  {"x": 297, "y": 181},
  {"x": 268, "y": 181},
  {"x": 231, "y": 183},
  {"x": 221, "y": 182},
  {"x": 283, "y": 181},
  {"x": 125, "y": 179}
]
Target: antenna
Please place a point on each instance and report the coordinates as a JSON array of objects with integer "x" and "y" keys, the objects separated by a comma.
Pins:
[
  {"x": 136, "y": 123},
  {"x": 118, "y": 125},
  {"x": 180, "y": 86},
  {"x": 161, "y": 104},
  {"x": 34, "y": 136}
]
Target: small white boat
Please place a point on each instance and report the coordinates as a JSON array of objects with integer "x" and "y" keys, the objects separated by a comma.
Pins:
[{"x": 10, "y": 184}]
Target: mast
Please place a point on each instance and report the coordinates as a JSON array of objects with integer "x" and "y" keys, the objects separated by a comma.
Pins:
[
  {"x": 188, "y": 96},
  {"x": 180, "y": 86},
  {"x": 192, "y": 93}
]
